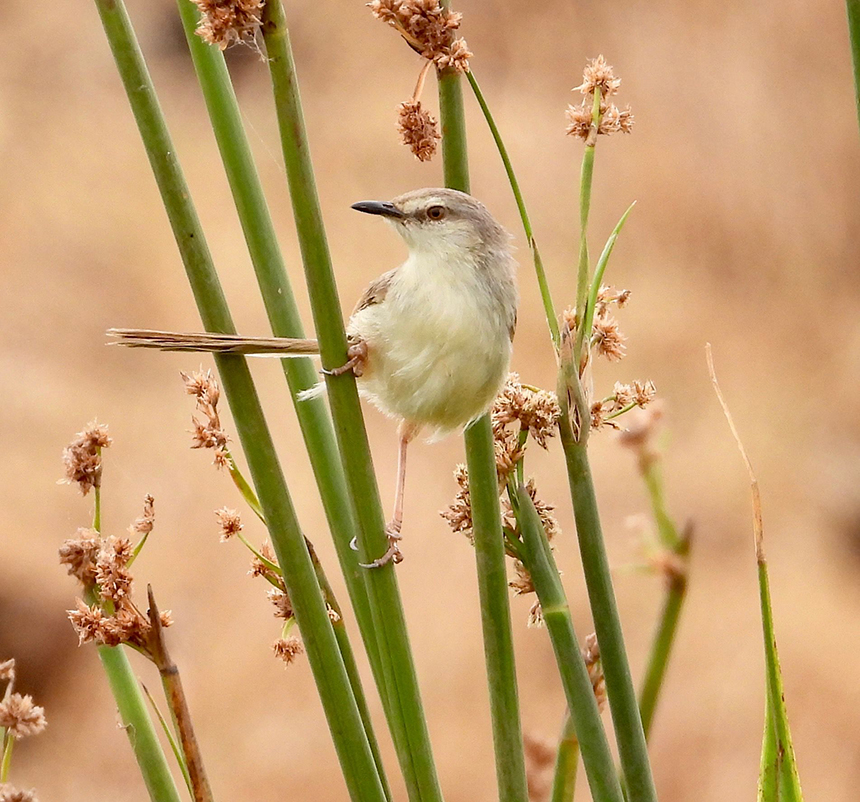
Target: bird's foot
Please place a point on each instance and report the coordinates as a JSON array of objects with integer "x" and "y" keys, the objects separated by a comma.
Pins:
[
  {"x": 393, "y": 553},
  {"x": 356, "y": 360}
]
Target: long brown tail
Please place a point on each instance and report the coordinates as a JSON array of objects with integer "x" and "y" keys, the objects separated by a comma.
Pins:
[{"x": 213, "y": 343}]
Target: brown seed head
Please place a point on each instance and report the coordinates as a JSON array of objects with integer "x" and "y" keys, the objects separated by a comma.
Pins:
[
  {"x": 418, "y": 129},
  {"x": 144, "y": 524},
  {"x": 428, "y": 28},
  {"x": 112, "y": 575},
  {"x": 591, "y": 655},
  {"x": 229, "y": 522},
  {"x": 207, "y": 433},
  {"x": 7, "y": 670},
  {"x": 283, "y": 605},
  {"x": 9, "y": 793},
  {"x": 522, "y": 584},
  {"x": 228, "y": 22},
  {"x": 459, "y": 514},
  {"x": 20, "y": 717},
  {"x": 644, "y": 392},
  {"x": 82, "y": 457},
  {"x": 607, "y": 339},
  {"x": 287, "y": 649},
  {"x": 535, "y": 410},
  {"x": 598, "y": 75},
  {"x": 79, "y": 554}
]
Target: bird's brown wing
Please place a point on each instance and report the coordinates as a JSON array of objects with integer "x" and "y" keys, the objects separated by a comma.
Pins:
[{"x": 375, "y": 292}]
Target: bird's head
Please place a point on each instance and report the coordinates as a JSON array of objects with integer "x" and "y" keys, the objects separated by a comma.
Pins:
[{"x": 440, "y": 221}]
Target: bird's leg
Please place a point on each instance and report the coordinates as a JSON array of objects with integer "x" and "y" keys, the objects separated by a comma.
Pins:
[
  {"x": 392, "y": 528},
  {"x": 356, "y": 359}
]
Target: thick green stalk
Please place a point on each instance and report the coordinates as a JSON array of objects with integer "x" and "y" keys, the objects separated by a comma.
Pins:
[
  {"x": 404, "y": 709},
  {"x": 853, "y": 8},
  {"x": 566, "y": 763},
  {"x": 340, "y": 707},
  {"x": 543, "y": 284},
  {"x": 486, "y": 516},
  {"x": 495, "y": 613},
  {"x": 138, "y": 725},
  {"x": 599, "y": 767},
  {"x": 285, "y": 320},
  {"x": 619, "y": 685}
]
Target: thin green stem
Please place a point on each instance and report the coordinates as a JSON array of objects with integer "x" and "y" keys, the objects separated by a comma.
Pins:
[
  {"x": 566, "y": 764},
  {"x": 591, "y": 303},
  {"x": 543, "y": 284},
  {"x": 6, "y": 759},
  {"x": 486, "y": 516},
  {"x": 666, "y": 530},
  {"x": 599, "y": 767},
  {"x": 585, "y": 182},
  {"x": 400, "y": 692},
  {"x": 171, "y": 739},
  {"x": 661, "y": 649},
  {"x": 853, "y": 8},
  {"x": 619, "y": 685},
  {"x": 338, "y": 701}
]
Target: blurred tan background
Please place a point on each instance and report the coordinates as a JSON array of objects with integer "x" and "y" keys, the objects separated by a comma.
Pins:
[{"x": 745, "y": 160}]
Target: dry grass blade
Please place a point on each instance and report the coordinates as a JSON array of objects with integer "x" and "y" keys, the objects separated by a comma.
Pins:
[{"x": 212, "y": 343}]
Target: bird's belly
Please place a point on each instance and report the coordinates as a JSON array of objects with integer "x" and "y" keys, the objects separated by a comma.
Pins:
[{"x": 441, "y": 370}]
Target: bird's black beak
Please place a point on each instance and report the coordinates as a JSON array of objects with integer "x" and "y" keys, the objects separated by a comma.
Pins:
[{"x": 385, "y": 208}]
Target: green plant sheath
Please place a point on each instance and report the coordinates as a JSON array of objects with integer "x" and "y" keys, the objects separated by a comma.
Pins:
[
  {"x": 599, "y": 766},
  {"x": 486, "y": 517},
  {"x": 285, "y": 321},
  {"x": 138, "y": 725},
  {"x": 324, "y": 656},
  {"x": 619, "y": 685},
  {"x": 566, "y": 763},
  {"x": 853, "y": 8},
  {"x": 404, "y": 709}
]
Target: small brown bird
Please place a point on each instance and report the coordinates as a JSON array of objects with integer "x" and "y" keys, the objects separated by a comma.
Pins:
[{"x": 430, "y": 341}]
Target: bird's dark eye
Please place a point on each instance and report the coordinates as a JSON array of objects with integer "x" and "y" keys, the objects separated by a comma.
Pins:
[{"x": 436, "y": 212}]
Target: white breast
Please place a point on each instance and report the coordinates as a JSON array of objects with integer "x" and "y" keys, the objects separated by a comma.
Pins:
[{"x": 439, "y": 343}]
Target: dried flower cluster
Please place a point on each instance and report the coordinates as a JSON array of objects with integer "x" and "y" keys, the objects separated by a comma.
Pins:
[
  {"x": 536, "y": 410},
  {"x": 207, "y": 434},
  {"x": 9, "y": 793},
  {"x": 287, "y": 649},
  {"x": 19, "y": 718},
  {"x": 101, "y": 565},
  {"x": 229, "y": 22},
  {"x": 428, "y": 28},
  {"x": 591, "y": 655},
  {"x": 229, "y": 523},
  {"x": 598, "y": 77},
  {"x": 82, "y": 457},
  {"x": 459, "y": 514},
  {"x": 418, "y": 129},
  {"x": 143, "y": 525}
]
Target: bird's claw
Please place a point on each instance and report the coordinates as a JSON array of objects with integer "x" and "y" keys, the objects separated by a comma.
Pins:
[
  {"x": 393, "y": 553},
  {"x": 356, "y": 359}
]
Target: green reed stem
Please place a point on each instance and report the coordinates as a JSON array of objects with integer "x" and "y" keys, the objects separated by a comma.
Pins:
[
  {"x": 404, "y": 709},
  {"x": 619, "y": 685},
  {"x": 566, "y": 764},
  {"x": 137, "y": 724},
  {"x": 661, "y": 649},
  {"x": 8, "y": 741},
  {"x": 285, "y": 320},
  {"x": 678, "y": 545},
  {"x": 585, "y": 183},
  {"x": 543, "y": 284},
  {"x": 853, "y": 8},
  {"x": 486, "y": 516},
  {"x": 340, "y": 707},
  {"x": 599, "y": 767}
]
